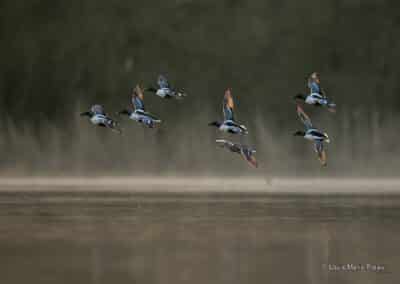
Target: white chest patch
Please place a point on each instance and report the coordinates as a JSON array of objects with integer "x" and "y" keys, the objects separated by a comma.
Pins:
[
  {"x": 134, "y": 116},
  {"x": 309, "y": 137},
  {"x": 224, "y": 128},
  {"x": 311, "y": 100},
  {"x": 163, "y": 92},
  {"x": 98, "y": 119},
  {"x": 230, "y": 128}
]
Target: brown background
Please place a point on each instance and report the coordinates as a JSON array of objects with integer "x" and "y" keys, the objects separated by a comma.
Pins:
[{"x": 59, "y": 57}]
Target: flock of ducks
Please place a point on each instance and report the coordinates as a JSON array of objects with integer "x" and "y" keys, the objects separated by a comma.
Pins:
[
  {"x": 138, "y": 113},
  {"x": 316, "y": 97}
]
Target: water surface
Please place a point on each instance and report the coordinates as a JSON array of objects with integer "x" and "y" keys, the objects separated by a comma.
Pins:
[{"x": 79, "y": 235}]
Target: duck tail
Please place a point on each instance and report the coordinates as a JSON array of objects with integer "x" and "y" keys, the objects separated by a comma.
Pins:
[
  {"x": 181, "y": 94},
  {"x": 332, "y": 107},
  {"x": 115, "y": 127}
]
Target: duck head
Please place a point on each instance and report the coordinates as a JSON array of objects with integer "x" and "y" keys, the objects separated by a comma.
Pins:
[
  {"x": 315, "y": 77},
  {"x": 86, "y": 113},
  {"x": 151, "y": 89},
  {"x": 299, "y": 133},
  {"x": 300, "y": 97},
  {"x": 215, "y": 123}
]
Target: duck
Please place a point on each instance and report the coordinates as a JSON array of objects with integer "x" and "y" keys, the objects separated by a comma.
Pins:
[
  {"x": 98, "y": 117},
  {"x": 164, "y": 89},
  {"x": 229, "y": 125},
  {"x": 246, "y": 152},
  {"x": 317, "y": 96},
  {"x": 313, "y": 134},
  {"x": 139, "y": 114}
]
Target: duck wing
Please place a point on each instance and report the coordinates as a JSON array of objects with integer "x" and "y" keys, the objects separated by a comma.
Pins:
[
  {"x": 97, "y": 109},
  {"x": 152, "y": 116},
  {"x": 162, "y": 82},
  {"x": 304, "y": 117},
  {"x": 314, "y": 87},
  {"x": 224, "y": 143},
  {"x": 137, "y": 98},
  {"x": 248, "y": 155},
  {"x": 228, "y": 105},
  {"x": 319, "y": 149},
  {"x": 233, "y": 147}
]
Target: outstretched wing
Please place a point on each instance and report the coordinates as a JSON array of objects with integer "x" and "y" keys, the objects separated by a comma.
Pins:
[
  {"x": 314, "y": 87},
  {"x": 248, "y": 155},
  {"x": 228, "y": 105},
  {"x": 233, "y": 147},
  {"x": 319, "y": 149},
  {"x": 304, "y": 117},
  {"x": 224, "y": 143},
  {"x": 97, "y": 109},
  {"x": 162, "y": 82},
  {"x": 137, "y": 98}
]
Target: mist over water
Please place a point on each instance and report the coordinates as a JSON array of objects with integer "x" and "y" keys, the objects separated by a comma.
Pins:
[
  {"x": 59, "y": 58},
  {"x": 363, "y": 143},
  {"x": 82, "y": 204}
]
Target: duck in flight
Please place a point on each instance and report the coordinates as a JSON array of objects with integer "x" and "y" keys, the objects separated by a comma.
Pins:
[
  {"x": 229, "y": 124},
  {"x": 139, "y": 114},
  {"x": 247, "y": 153},
  {"x": 317, "y": 96},
  {"x": 164, "y": 89},
  {"x": 313, "y": 134},
  {"x": 97, "y": 116}
]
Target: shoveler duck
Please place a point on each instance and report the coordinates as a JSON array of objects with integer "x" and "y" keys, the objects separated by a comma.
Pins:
[
  {"x": 247, "y": 153},
  {"x": 139, "y": 114},
  {"x": 164, "y": 89},
  {"x": 97, "y": 116},
  {"x": 229, "y": 124},
  {"x": 313, "y": 134},
  {"x": 317, "y": 96}
]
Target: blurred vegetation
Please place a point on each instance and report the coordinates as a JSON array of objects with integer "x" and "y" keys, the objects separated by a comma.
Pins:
[{"x": 59, "y": 57}]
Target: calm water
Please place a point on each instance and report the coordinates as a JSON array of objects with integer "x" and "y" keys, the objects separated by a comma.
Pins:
[{"x": 58, "y": 236}]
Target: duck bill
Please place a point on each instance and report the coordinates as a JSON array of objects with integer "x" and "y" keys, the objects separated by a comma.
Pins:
[{"x": 86, "y": 113}]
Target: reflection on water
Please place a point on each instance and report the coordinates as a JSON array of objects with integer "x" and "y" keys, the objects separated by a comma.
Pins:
[{"x": 121, "y": 237}]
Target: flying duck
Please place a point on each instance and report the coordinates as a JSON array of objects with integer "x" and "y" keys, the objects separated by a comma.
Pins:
[
  {"x": 229, "y": 124},
  {"x": 247, "y": 153},
  {"x": 164, "y": 89},
  {"x": 317, "y": 96},
  {"x": 139, "y": 114},
  {"x": 97, "y": 116},
  {"x": 313, "y": 134}
]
